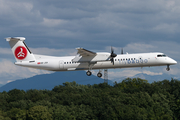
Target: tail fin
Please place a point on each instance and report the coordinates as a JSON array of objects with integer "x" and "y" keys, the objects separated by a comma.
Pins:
[{"x": 20, "y": 50}]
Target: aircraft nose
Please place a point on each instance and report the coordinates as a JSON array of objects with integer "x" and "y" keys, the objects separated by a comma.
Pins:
[{"x": 173, "y": 62}]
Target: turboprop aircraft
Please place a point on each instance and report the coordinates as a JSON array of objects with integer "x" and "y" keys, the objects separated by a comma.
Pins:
[{"x": 85, "y": 59}]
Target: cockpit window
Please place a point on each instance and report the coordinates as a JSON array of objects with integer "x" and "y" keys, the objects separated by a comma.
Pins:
[{"x": 161, "y": 55}]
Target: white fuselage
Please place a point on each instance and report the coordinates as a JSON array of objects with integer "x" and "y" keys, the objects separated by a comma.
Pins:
[
  {"x": 120, "y": 61},
  {"x": 85, "y": 59}
]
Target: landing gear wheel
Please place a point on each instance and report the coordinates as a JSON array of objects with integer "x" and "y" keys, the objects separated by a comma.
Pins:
[
  {"x": 168, "y": 68},
  {"x": 88, "y": 73},
  {"x": 99, "y": 75}
]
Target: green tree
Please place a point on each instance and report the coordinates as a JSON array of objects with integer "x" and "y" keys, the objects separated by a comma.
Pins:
[
  {"x": 3, "y": 101},
  {"x": 4, "y": 116},
  {"x": 131, "y": 85},
  {"x": 59, "y": 112},
  {"x": 39, "y": 113},
  {"x": 15, "y": 95},
  {"x": 17, "y": 114}
]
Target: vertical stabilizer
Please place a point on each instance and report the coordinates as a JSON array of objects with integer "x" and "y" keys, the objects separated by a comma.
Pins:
[{"x": 20, "y": 50}]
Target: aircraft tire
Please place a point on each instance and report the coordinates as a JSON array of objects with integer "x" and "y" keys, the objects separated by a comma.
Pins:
[
  {"x": 99, "y": 75},
  {"x": 88, "y": 73},
  {"x": 168, "y": 69}
]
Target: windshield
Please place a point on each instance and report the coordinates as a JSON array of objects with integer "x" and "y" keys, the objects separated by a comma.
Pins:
[{"x": 161, "y": 55}]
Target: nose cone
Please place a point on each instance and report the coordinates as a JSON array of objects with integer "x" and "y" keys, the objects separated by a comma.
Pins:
[{"x": 172, "y": 62}]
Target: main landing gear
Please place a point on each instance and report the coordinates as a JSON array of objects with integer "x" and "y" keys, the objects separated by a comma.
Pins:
[
  {"x": 168, "y": 68},
  {"x": 89, "y": 73},
  {"x": 99, "y": 74}
]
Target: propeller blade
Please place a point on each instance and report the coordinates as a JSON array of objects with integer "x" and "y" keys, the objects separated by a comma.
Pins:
[
  {"x": 122, "y": 51},
  {"x": 112, "y": 50},
  {"x": 112, "y": 60},
  {"x": 113, "y": 55}
]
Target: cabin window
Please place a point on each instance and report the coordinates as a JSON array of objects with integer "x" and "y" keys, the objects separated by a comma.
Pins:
[{"x": 64, "y": 62}]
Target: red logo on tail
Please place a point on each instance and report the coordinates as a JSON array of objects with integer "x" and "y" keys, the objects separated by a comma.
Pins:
[{"x": 20, "y": 52}]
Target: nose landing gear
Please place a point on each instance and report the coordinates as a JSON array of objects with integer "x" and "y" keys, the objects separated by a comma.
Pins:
[{"x": 168, "y": 68}]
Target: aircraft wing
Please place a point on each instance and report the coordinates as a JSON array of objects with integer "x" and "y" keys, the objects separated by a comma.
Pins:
[{"x": 83, "y": 52}]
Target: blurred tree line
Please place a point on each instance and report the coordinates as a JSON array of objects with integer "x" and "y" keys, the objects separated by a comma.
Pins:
[{"x": 131, "y": 99}]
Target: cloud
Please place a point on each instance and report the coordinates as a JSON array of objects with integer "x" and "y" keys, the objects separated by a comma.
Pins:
[
  {"x": 152, "y": 73},
  {"x": 123, "y": 73},
  {"x": 118, "y": 75},
  {"x": 5, "y": 51},
  {"x": 52, "y": 22},
  {"x": 167, "y": 28},
  {"x": 18, "y": 13},
  {"x": 11, "y": 72},
  {"x": 140, "y": 47},
  {"x": 131, "y": 72},
  {"x": 90, "y": 23},
  {"x": 170, "y": 48},
  {"x": 57, "y": 27},
  {"x": 54, "y": 52}
]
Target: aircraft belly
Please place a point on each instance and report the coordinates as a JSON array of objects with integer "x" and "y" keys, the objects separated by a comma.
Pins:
[
  {"x": 77, "y": 66},
  {"x": 45, "y": 65}
]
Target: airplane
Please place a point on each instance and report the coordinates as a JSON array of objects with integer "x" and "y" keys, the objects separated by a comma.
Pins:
[{"x": 85, "y": 59}]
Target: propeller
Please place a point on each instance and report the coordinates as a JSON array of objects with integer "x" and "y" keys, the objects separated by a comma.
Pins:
[
  {"x": 122, "y": 51},
  {"x": 113, "y": 55}
]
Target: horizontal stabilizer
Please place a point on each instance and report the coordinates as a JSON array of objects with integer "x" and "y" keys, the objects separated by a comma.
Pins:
[{"x": 15, "y": 38}]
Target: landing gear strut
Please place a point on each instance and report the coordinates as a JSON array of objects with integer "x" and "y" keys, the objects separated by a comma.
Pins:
[
  {"x": 168, "y": 68},
  {"x": 89, "y": 73}
]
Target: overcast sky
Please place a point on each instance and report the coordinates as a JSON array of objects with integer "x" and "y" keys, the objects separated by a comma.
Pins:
[{"x": 57, "y": 27}]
